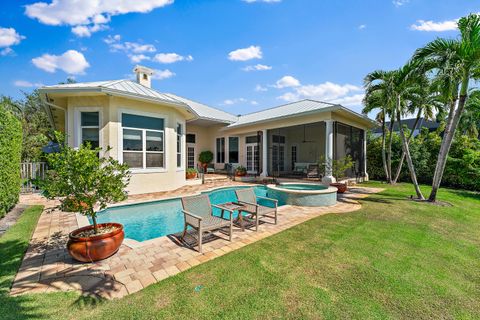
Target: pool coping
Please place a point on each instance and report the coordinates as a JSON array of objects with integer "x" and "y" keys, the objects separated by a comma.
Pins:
[{"x": 82, "y": 220}]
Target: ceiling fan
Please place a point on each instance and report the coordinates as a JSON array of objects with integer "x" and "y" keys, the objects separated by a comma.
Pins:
[{"x": 304, "y": 136}]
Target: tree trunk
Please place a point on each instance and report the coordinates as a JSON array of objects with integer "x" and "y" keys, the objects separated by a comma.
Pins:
[
  {"x": 400, "y": 165},
  {"x": 447, "y": 140},
  {"x": 389, "y": 155},
  {"x": 384, "y": 156},
  {"x": 406, "y": 150}
]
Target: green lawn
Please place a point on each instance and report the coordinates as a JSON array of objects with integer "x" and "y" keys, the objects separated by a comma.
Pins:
[{"x": 394, "y": 258}]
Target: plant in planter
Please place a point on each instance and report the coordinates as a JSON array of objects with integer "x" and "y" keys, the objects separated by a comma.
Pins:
[
  {"x": 85, "y": 183},
  {"x": 240, "y": 171},
  {"x": 338, "y": 168},
  {"x": 205, "y": 158},
  {"x": 191, "y": 173}
]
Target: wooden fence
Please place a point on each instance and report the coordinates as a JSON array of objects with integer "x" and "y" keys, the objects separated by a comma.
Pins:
[{"x": 30, "y": 173}]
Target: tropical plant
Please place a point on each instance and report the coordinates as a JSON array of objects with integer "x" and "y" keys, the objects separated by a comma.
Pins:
[
  {"x": 81, "y": 176},
  {"x": 338, "y": 168},
  {"x": 191, "y": 171},
  {"x": 205, "y": 157},
  {"x": 240, "y": 170},
  {"x": 454, "y": 63},
  {"x": 470, "y": 120}
]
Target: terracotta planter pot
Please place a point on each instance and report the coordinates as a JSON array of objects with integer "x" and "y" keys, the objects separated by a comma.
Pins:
[
  {"x": 342, "y": 187},
  {"x": 192, "y": 175},
  {"x": 240, "y": 174},
  {"x": 95, "y": 248}
]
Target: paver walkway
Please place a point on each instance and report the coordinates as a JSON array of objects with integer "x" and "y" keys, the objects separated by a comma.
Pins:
[{"x": 47, "y": 267}]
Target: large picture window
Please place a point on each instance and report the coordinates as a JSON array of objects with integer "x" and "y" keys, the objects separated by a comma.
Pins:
[
  {"x": 233, "y": 149},
  {"x": 220, "y": 150},
  {"x": 90, "y": 128},
  {"x": 143, "y": 141}
]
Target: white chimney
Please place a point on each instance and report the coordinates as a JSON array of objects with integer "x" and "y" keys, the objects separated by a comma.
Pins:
[{"x": 144, "y": 75}]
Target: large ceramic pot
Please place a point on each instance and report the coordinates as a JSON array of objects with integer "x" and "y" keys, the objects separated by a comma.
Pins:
[
  {"x": 191, "y": 175},
  {"x": 342, "y": 187},
  {"x": 95, "y": 248},
  {"x": 240, "y": 173}
]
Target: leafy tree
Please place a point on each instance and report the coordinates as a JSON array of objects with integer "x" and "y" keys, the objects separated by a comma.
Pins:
[{"x": 82, "y": 177}]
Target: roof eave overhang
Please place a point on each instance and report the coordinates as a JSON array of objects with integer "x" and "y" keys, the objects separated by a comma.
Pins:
[
  {"x": 369, "y": 122},
  {"x": 119, "y": 93}
]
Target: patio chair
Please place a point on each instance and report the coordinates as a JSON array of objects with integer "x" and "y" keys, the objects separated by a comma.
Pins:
[
  {"x": 198, "y": 214},
  {"x": 313, "y": 171},
  {"x": 248, "y": 199},
  {"x": 210, "y": 168}
]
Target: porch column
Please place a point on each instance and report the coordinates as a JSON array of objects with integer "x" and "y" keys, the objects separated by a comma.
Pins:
[
  {"x": 328, "y": 178},
  {"x": 264, "y": 173},
  {"x": 365, "y": 155}
]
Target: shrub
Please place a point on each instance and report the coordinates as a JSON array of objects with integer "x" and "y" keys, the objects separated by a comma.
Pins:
[
  {"x": 10, "y": 157},
  {"x": 205, "y": 157}
]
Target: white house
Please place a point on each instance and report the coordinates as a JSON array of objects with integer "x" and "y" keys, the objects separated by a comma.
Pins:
[{"x": 159, "y": 135}]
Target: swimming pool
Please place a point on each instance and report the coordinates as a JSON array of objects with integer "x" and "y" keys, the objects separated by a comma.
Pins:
[
  {"x": 144, "y": 221},
  {"x": 303, "y": 194}
]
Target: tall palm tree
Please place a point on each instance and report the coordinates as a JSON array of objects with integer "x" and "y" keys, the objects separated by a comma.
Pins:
[
  {"x": 470, "y": 120},
  {"x": 379, "y": 88},
  {"x": 457, "y": 62},
  {"x": 372, "y": 101},
  {"x": 424, "y": 103}
]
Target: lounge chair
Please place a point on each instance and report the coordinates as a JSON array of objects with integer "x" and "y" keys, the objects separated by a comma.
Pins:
[
  {"x": 198, "y": 214},
  {"x": 313, "y": 171},
  {"x": 248, "y": 199}
]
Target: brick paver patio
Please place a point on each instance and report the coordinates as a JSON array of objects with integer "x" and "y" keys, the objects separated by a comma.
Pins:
[{"x": 47, "y": 267}]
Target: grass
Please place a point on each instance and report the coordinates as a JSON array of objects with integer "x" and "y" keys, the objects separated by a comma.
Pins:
[{"x": 394, "y": 258}]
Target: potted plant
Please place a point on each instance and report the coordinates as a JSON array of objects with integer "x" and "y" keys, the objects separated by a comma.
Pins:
[
  {"x": 338, "y": 168},
  {"x": 205, "y": 157},
  {"x": 240, "y": 171},
  {"x": 85, "y": 183},
  {"x": 191, "y": 173}
]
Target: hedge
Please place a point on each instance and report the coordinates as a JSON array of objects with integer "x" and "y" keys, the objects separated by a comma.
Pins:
[
  {"x": 463, "y": 163},
  {"x": 10, "y": 157}
]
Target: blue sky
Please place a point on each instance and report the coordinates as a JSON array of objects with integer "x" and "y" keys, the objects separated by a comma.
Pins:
[{"x": 238, "y": 55}]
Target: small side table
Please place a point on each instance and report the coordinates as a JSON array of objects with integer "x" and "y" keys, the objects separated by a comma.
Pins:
[{"x": 233, "y": 206}]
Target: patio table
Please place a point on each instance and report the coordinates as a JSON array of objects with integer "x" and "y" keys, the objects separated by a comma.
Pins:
[{"x": 235, "y": 206}]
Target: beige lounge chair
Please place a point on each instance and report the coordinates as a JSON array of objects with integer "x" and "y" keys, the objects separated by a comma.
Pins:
[
  {"x": 198, "y": 214},
  {"x": 248, "y": 199}
]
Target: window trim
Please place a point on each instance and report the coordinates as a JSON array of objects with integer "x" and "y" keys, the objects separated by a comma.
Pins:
[
  {"x": 227, "y": 151},
  {"x": 165, "y": 146},
  {"x": 77, "y": 133},
  {"x": 182, "y": 146}
]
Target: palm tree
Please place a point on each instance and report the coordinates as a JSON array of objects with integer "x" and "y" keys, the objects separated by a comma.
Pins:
[
  {"x": 470, "y": 120},
  {"x": 424, "y": 103},
  {"x": 456, "y": 62},
  {"x": 377, "y": 100},
  {"x": 378, "y": 89}
]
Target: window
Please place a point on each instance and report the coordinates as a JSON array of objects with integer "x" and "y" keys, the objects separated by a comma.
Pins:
[
  {"x": 179, "y": 145},
  {"x": 190, "y": 157},
  {"x": 90, "y": 128},
  {"x": 278, "y": 158},
  {"x": 143, "y": 141},
  {"x": 190, "y": 138},
  {"x": 233, "y": 149},
  {"x": 220, "y": 150},
  {"x": 278, "y": 139},
  {"x": 251, "y": 139}
]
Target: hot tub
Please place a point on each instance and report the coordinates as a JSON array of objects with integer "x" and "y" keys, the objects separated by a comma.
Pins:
[{"x": 303, "y": 194}]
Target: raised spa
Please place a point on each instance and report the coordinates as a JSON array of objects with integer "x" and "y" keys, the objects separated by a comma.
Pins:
[{"x": 303, "y": 194}]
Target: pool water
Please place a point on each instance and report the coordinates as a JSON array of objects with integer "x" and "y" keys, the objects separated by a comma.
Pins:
[
  {"x": 302, "y": 186},
  {"x": 150, "y": 220}
]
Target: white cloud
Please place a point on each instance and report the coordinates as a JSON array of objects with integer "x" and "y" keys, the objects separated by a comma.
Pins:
[
  {"x": 137, "y": 58},
  {"x": 229, "y": 102},
  {"x": 428, "y": 25},
  {"x": 86, "y": 31},
  {"x": 287, "y": 82},
  {"x": 94, "y": 14},
  {"x": 362, "y": 26},
  {"x": 346, "y": 94},
  {"x": 132, "y": 47},
  {"x": 252, "y": 52},
  {"x": 399, "y": 3},
  {"x": 254, "y": 103},
  {"x": 266, "y": 1},
  {"x": 260, "y": 88},
  {"x": 27, "y": 84},
  {"x": 9, "y": 37},
  {"x": 71, "y": 62},
  {"x": 257, "y": 67},
  {"x": 162, "y": 74},
  {"x": 112, "y": 39},
  {"x": 171, "y": 58}
]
